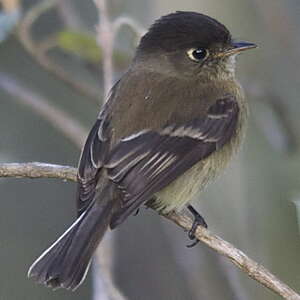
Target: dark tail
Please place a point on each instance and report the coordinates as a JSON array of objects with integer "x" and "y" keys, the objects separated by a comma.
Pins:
[{"x": 66, "y": 262}]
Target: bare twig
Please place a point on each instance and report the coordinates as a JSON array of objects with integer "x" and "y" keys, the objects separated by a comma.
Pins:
[
  {"x": 40, "y": 55},
  {"x": 37, "y": 170},
  {"x": 240, "y": 259},
  {"x": 57, "y": 118}
]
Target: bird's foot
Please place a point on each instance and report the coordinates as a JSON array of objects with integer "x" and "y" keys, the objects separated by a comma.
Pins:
[{"x": 198, "y": 221}]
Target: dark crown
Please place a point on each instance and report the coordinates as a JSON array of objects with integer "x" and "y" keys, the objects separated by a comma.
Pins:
[{"x": 181, "y": 30}]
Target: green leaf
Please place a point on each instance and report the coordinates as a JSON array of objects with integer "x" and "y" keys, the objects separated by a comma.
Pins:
[
  {"x": 85, "y": 46},
  {"x": 80, "y": 44}
]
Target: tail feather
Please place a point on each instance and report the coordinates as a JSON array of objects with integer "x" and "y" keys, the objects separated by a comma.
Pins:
[{"x": 66, "y": 262}]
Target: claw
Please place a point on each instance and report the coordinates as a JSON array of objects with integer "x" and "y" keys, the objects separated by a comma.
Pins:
[
  {"x": 193, "y": 244},
  {"x": 198, "y": 220}
]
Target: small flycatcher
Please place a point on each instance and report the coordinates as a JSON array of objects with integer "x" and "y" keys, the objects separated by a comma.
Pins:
[{"x": 170, "y": 125}]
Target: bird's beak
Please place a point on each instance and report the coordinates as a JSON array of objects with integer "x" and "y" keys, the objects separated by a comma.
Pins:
[{"x": 238, "y": 47}]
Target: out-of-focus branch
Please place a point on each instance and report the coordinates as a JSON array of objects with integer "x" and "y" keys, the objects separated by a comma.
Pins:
[
  {"x": 9, "y": 17},
  {"x": 57, "y": 118},
  {"x": 280, "y": 24},
  {"x": 10, "y": 5},
  {"x": 279, "y": 20},
  {"x": 38, "y": 53},
  {"x": 236, "y": 256},
  {"x": 106, "y": 40},
  {"x": 104, "y": 255},
  {"x": 272, "y": 116},
  {"x": 104, "y": 265},
  {"x": 69, "y": 14},
  {"x": 107, "y": 32},
  {"x": 121, "y": 21}
]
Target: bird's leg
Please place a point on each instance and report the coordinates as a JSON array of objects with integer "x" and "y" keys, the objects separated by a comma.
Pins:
[
  {"x": 137, "y": 212},
  {"x": 198, "y": 220}
]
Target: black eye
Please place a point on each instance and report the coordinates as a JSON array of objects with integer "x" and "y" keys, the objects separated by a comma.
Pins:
[{"x": 197, "y": 54}]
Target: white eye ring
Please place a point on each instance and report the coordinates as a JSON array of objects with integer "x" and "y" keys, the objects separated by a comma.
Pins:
[{"x": 197, "y": 54}]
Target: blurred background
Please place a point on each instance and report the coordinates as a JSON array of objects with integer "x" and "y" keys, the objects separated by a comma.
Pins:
[{"x": 53, "y": 76}]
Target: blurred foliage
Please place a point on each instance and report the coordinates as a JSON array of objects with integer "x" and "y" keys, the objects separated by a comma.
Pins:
[
  {"x": 8, "y": 22},
  {"x": 9, "y": 17},
  {"x": 10, "y": 5},
  {"x": 86, "y": 48},
  {"x": 83, "y": 45}
]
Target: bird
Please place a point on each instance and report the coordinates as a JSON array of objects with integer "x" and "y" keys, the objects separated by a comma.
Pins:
[{"x": 169, "y": 126}]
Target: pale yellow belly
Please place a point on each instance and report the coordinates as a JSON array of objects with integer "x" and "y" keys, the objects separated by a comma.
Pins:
[{"x": 180, "y": 192}]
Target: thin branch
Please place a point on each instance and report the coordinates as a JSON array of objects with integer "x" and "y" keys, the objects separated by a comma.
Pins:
[
  {"x": 69, "y": 15},
  {"x": 48, "y": 44},
  {"x": 236, "y": 256},
  {"x": 57, "y": 118},
  {"x": 37, "y": 170},
  {"x": 121, "y": 21},
  {"x": 10, "y": 6},
  {"x": 105, "y": 41},
  {"x": 38, "y": 53},
  {"x": 103, "y": 256},
  {"x": 104, "y": 265}
]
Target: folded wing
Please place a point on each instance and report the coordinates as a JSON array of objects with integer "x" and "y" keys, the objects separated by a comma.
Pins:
[{"x": 146, "y": 162}]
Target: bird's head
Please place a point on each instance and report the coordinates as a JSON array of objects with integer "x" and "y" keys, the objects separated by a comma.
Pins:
[{"x": 189, "y": 44}]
